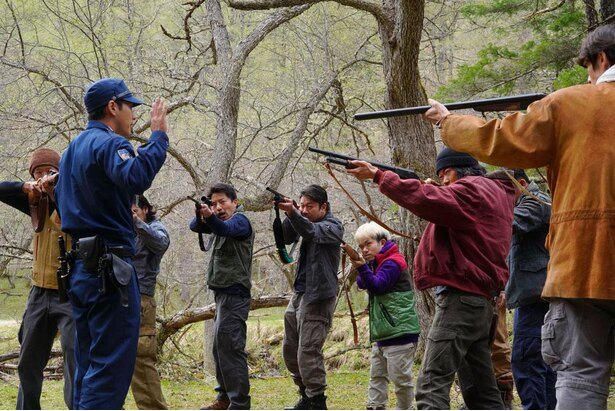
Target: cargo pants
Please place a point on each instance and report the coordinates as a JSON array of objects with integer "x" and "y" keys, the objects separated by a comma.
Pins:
[
  {"x": 145, "y": 384},
  {"x": 305, "y": 330},
  {"x": 458, "y": 342},
  {"x": 578, "y": 342}
]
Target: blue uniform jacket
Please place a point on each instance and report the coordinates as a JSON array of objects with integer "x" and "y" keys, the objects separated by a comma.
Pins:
[{"x": 99, "y": 174}]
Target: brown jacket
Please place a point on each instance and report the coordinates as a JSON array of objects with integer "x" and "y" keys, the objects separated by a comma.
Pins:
[
  {"x": 46, "y": 253},
  {"x": 572, "y": 132}
]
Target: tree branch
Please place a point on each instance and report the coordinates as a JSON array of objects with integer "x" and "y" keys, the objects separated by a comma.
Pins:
[
  {"x": 365, "y": 5},
  {"x": 171, "y": 325}
]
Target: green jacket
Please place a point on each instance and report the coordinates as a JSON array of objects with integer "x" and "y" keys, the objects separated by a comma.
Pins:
[{"x": 393, "y": 314}]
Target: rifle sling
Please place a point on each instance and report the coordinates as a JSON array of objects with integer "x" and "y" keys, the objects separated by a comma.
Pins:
[{"x": 523, "y": 189}]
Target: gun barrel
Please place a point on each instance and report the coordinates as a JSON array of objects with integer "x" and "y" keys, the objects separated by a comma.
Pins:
[
  {"x": 510, "y": 103},
  {"x": 343, "y": 160},
  {"x": 194, "y": 200}
]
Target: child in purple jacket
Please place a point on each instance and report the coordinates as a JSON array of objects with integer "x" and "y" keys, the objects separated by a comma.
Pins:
[{"x": 393, "y": 323}]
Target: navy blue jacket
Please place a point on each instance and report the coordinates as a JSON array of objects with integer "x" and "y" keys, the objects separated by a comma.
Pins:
[
  {"x": 319, "y": 254},
  {"x": 528, "y": 257},
  {"x": 99, "y": 174}
]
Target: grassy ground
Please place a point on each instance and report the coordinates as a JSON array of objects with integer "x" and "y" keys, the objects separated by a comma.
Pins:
[
  {"x": 348, "y": 392},
  {"x": 186, "y": 386}
]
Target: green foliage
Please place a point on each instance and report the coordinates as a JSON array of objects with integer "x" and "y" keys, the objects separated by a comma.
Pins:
[
  {"x": 570, "y": 77},
  {"x": 532, "y": 47}
]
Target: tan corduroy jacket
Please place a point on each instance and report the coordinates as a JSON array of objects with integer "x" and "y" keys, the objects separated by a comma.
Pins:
[
  {"x": 572, "y": 132},
  {"x": 46, "y": 253}
]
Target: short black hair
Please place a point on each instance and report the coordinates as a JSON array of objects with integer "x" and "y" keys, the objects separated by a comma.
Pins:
[
  {"x": 315, "y": 193},
  {"x": 520, "y": 173},
  {"x": 142, "y": 202},
  {"x": 223, "y": 188},
  {"x": 470, "y": 171},
  {"x": 99, "y": 113},
  {"x": 601, "y": 39}
]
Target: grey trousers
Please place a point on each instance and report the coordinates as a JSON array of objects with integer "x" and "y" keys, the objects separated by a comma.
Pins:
[
  {"x": 44, "y": 316},
  {"x": 458, "y": 342},
  {"x": 578, "y": 342},
  {"x": 305, "y": 331},
  {"x": 392, "y": 363},
  {"x": 229, "y": 350}
]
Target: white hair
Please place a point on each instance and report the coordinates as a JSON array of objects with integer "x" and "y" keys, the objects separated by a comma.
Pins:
[{"x": 371, "y": 230}]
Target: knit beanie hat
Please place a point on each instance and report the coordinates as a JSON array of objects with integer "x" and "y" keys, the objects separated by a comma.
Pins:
[
  {"x": 451, "y": 158},
  {"x": 44, "y": 157}
]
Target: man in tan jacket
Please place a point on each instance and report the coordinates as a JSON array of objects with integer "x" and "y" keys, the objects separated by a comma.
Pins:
[
  {"x": 571, "y": 132},
  {"x": 44, "y": 315}
]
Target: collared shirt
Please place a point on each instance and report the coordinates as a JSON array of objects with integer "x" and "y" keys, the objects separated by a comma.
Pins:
[
  {"x": 99, "y": 174},
  {"x": 608, "y": 76}
]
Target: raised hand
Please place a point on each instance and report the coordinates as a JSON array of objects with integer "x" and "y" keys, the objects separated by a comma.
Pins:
[
  {"x": 205, "y": 211},
  {"x": 363, "y": 170},
  {"x": 436, "y": 113},
  {"x": 287, "y": 205},
  {"x": 159, "y": 115},
  {"x": 47, "y": 183},
  {"x": 32, "y": 190}
]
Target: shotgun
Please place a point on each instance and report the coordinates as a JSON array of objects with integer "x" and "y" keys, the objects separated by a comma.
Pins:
[
  {"x": 344, "y": 160},
  {"x": 511, "y": 103}
]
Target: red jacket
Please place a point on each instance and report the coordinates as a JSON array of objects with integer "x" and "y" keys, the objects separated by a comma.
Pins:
[{"x": 468, "y": 236}]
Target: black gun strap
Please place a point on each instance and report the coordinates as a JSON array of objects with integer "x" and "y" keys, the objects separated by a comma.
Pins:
[
  {"x": 201, "y": 242},
  {"x": 278, "y": 235}
]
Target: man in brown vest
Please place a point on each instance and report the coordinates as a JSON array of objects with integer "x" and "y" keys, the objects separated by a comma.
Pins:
[{"x": 44, "y": 314}]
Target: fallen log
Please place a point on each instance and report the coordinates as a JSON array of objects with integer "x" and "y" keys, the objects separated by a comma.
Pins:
[
  {"x": 173, "y": 324},
  {"x": 15, "y": 354}
]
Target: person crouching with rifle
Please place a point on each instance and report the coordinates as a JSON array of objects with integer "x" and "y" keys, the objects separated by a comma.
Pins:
[
  {"x": 309, "y": 315},
  {"x": 46, "y": 312},
  {"x": 229, "y": 277},
  {"x": 393, "y": 323},
  {"x": 462, "y": 254}
]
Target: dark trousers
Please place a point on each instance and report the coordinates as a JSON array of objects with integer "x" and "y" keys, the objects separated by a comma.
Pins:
[
  {"x": 534, "y": 379},
  {"x": 306, "y": 326},
  {"x": 107, "y": 337},
  {"x": 229, "y": 349},
  {"x": 44, "y": 316},
  {"x": 458, "y": 342}
]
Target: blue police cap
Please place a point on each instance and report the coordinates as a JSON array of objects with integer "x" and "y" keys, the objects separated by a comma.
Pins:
[{"x": 103, "y": 91}]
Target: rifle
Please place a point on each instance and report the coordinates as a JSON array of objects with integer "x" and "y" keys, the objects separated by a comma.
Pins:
[
  {"x": 277, "y": 196},
  {"x": 63, "y": 272},
  {"x": 354, "y": 255},
  {"x": 344, "y": 160},
  {"x": 197, "y": 206},
  {"x": 278, "y": 231},
  {"x": 511, "y": 103},
  {"x": 39, "y": 210}
]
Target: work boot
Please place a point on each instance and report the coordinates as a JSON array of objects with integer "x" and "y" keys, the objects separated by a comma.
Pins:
[
  {"x": 218, "y": 404},
  {"x": 505, "y": 385},
  {"x": 318, "y": 402},
  {"x": 303, "y": 403}
]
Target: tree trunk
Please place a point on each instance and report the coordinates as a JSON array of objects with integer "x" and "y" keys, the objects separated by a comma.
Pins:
[{"x": 410, "y": 137}]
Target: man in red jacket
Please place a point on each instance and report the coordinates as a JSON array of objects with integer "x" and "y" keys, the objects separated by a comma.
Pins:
[{"x": 463, "y": 254}]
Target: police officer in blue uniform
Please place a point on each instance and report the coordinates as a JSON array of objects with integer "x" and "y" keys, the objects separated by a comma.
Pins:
[{"x": 99, "y": 174}]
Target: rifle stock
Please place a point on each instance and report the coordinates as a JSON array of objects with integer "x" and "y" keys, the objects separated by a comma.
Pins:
[
  {"x": 344, "y": 160},
  {"x": 511, "y": 103}
]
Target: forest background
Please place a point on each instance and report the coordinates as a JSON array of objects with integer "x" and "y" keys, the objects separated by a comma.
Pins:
[{"x": 250, "y": 85}]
